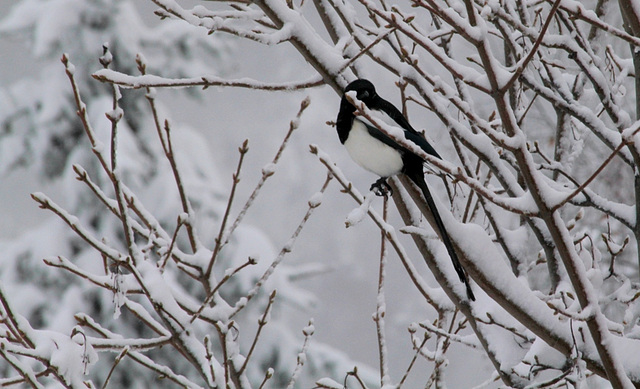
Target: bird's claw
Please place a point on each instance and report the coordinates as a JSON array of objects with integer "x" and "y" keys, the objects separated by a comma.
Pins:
[{"x": 381, "y": 188}]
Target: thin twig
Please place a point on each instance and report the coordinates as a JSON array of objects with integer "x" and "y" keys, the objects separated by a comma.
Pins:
[
  {"x": 23, "y": 369},
  {"x": 267, "y": 377},
  {"x": 261, "y": 323},
  {"x": 268, "y": 171},
  {"x": 365, "y": 50},
  {"x": 413, "y": 360},
  {"x": 522, "y": 65},
  {"x": 453, "y": 337},
  {"x": 184, "y": 200},
  {"x": 227, "y": 276},
  {"x": 96, "y": 145},
  {"x": 167, "y": 147},
  {"x": 10, "y": 320},
  {"x": 114, "y": 117},
  {"x": 73, "y": 223},
  {"x": 354, "y": 373},
  {"x": 244, "y": 149},
  {"x": 597, "y": 172},
  {"x": 302, "y": 356},
  {"x": 174, "y": 238},
  {"x": 120, "y": 356},
  {"x": 209, "y": 355}
]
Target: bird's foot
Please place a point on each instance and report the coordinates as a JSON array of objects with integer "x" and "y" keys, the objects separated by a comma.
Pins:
[{"x": 381, "y": 187}]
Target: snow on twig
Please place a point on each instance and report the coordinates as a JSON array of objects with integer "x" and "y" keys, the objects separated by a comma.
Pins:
[
  {"x": 308, "y": 332},
  {"x": 152, "y": 81}
]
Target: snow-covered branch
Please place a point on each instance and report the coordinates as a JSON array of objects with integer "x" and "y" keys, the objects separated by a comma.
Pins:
[{"x": 151, "y": 81}]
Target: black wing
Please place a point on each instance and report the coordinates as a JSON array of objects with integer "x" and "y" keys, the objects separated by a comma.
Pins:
[
  {"x": 412, "y": 137},
  {"x": 422, "y": 143},
  {"x": 394, "y": 114},
  {"x": 410, "y": 133}
]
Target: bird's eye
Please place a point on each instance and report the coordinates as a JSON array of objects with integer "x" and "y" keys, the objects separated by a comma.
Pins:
[{"x": 363, "y": 95}]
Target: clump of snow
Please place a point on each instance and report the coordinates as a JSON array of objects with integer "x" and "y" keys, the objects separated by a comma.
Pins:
[
  {"x": 358, "y": 214},
  {"x": 315, "y": 200}
]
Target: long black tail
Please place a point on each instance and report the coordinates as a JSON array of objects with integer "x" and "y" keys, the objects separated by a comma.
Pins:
[{"x": 418, "y": 179}]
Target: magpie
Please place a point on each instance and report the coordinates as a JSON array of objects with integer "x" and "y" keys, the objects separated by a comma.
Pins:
[{"x": 375, "y": 151}]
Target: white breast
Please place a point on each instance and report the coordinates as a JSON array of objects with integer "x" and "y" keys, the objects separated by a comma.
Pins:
[{"x": 371, "y": 153}]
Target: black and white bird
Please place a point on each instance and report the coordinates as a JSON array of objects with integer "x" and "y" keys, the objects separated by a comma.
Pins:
[{"x": 380, "y": 154}]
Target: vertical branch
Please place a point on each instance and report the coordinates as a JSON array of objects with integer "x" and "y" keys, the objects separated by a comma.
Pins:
[
  {"x": 261, "y": 323},
  {"x": 302, "y": 356},
  {"x": 328, "y": 20},
  {"x": 96, "y": 145},
  {"x": 114, "y": 117},
  {"x": 380, "y": 302},
  {"x": 631, "y": 20},
  {"x": 184, "y": 200}
]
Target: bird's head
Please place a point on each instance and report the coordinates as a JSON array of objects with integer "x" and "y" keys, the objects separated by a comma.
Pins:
[{"x": 365, "y": 91}]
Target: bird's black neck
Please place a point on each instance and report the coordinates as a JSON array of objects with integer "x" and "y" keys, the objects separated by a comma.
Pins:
[{"x": 345, "y": 119}]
